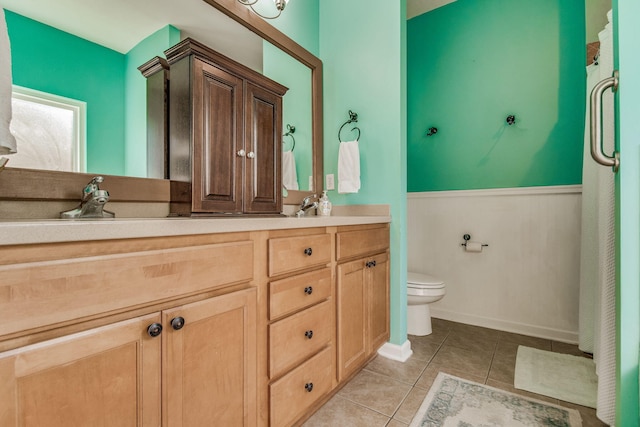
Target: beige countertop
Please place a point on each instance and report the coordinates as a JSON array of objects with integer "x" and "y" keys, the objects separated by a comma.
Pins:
[{"x": 15, "y": 232}]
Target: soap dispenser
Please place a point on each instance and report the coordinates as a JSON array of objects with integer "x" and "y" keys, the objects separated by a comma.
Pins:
[{"x": 324, "y": 205}]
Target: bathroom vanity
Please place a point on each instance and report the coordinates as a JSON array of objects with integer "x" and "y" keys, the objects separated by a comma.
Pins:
[{"x": 184, "y": 322}]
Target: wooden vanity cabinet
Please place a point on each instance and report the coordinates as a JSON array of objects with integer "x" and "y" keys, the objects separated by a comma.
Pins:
[
  {"x": 225, "y": 127},
  {"x": 104, "y": 376},
  {"x": 202, "y": 353},
  {"x": 362, "y": 295},
  {"x": 143, "y": 332},
  {"x": 301, "y": 325}
]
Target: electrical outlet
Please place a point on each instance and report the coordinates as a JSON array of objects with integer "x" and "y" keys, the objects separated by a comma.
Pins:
[
  {"x": 330, "y": 183},
  {"x": 310, "y": 183}
]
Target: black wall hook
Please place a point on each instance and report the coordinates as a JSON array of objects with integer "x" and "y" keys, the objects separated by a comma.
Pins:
[
  {"x": 432, "y": 131},
  {"x": 511, "y": 119}
]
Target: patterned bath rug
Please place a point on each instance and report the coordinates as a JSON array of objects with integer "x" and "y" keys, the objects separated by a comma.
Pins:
[
  {"x": 454, "y": 402},
  {"x": 562, "y": 376}
]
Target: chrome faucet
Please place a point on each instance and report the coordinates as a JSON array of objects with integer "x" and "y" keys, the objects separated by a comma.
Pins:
[
  {"x": 306, "y": 204},
  {"x": 92, "y": 204}
]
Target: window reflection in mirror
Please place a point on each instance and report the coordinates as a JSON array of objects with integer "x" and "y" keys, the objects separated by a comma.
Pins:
[{"x": 49, "y": 130}]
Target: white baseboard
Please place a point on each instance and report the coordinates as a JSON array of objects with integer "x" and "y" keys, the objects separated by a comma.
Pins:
[
  {"x": 570, "y": 337},
  {"x": 401, "y": 353}
]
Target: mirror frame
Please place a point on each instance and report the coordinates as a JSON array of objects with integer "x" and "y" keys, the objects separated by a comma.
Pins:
[{"x": 30, "y": 184}]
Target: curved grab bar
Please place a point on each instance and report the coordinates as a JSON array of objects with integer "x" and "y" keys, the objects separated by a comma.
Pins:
[{"x": 596, "y": 123}]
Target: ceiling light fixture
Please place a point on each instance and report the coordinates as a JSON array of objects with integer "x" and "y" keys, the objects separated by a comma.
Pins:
[{"x": 280, "y": 5}]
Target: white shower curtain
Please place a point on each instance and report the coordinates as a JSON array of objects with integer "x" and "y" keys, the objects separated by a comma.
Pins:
[{"x": 597, "y": 264}]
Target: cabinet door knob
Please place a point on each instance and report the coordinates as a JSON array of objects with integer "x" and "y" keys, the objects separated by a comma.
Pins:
[
  {"x": 308, "y": 251},
  {"x": 177, "y": 323},
  {"x": 154, "y": 330},
  {"x": 308, "y": 387},
  {"x": 241, "y": 153},
  {"x": 251, "y": 154},
  {"x": 373, "y": 262},
  {"x": 368, "y": 264},
  {"x": 309, "y": 334},
  {"x": 308, "y": 290}
]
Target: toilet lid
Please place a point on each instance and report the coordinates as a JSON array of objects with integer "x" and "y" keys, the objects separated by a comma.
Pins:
[{"x": 420, "y": 280}]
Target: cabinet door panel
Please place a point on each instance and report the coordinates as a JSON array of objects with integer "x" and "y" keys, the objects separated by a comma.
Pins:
[
  {"x": 263, "y": 182},
  {"x": 102, "y": 377},
  {"x": 217, "y": 139},
  {"x": 351, "y": 308},
  {"x": 378, "y": 302},
  {"x": 210, "y": 363}
]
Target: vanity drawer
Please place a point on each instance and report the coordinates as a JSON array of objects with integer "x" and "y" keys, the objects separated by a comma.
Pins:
[
  {"x": 37, "y": 294},
  {"x": 355, "y": 243},
  {"x": 297, "y": 337},
  {"x": 289, "y": 295},
  {"x": 287, "y": 254},
  {"x": 295, "y": 393}
]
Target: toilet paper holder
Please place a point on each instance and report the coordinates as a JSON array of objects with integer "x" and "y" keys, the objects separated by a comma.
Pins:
[{"x": 466, "y": 238}]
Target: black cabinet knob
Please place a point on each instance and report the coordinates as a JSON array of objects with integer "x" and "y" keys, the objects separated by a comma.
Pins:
[
  {"x": 373, "y": 262},
  {"x": 308, "y": 290},
  {"x": 308, "y": 251},
  {"x": 177, "y": 323},
  {"x": 308, "y": 387},
  {"x": 309, "y": 334},
  {"x": 154, "y": 329}
]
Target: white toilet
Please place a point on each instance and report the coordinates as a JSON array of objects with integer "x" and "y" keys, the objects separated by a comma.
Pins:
[{"x": 422, "y": 290}]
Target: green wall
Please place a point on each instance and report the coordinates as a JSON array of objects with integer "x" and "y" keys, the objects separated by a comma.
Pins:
[
  {"x": 50, "y": 60},
  {"x": 300, "y": 22},
  {"x": 135, "y": 155},
  {"x": 471, "y": 64},
  {"x": 296, "y": 109},
  {"x": 362, "y": 46}
]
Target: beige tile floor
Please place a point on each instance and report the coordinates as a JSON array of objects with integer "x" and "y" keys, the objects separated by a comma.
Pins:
[{"x": 389, "y": 393}]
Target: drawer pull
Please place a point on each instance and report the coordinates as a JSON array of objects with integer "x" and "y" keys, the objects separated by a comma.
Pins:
[
  {"x": 309, "y": 334},
  {"x": 154, "y": 330},
  {"x": 308, "y": 387},
  {"x": 308, "y": 290},
  {"x": 308, "y": 251},
  {"x": 370, "y": 264},
  {"x": 177, "y": 323}
]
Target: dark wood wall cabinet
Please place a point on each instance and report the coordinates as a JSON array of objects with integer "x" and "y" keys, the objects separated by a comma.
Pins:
[{"x": 225, "y": 127}]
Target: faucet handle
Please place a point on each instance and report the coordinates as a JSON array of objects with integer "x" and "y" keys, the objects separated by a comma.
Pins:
[{"x": 92, "y": 187}]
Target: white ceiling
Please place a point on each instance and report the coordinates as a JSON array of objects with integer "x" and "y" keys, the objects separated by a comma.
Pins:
[
  {"x": 121, "y": 24},
  {"x": 418, "y": 7}
]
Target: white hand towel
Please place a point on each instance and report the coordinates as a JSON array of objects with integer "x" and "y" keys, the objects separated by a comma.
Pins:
[
  {"x": 348, "y": 167},
  {"x": 289, "y": 174},
  {"x": 7, "y": 140}
]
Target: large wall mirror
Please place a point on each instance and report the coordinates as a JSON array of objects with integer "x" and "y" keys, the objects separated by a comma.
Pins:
[{"x": 89, "y": 51}]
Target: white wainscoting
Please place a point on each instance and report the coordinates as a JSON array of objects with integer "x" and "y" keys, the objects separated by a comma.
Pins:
[{"x": 527, "y": 279}]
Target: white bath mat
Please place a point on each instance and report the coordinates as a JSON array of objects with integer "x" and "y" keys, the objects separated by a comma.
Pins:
[{"x": 562, "y": 376}]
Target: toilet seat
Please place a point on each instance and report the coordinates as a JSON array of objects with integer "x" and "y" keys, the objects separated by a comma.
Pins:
[{"x": 423, "y": 281}]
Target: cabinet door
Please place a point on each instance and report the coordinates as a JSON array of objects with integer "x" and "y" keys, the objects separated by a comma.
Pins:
[
  {"x": 263, "y": 182},
  {"x": 210, "y": 362},
  {"x": 217, "y": 140},
  {"x": 351, "y": 309},
  {"x": 378, "y": 307},
  {"x": 108, "y": 376}
]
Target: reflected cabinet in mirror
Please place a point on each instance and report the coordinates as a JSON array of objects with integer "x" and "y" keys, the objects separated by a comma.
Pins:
[{"x": 88, "y": 52}]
